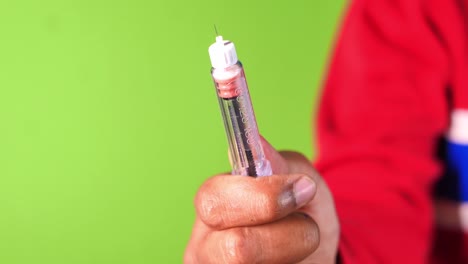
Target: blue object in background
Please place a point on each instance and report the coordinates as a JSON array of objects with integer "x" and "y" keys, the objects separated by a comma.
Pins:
[{"x": 454, "y": 184}]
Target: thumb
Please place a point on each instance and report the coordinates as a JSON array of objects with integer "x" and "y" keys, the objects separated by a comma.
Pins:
[{"x": 278, "y": 163}]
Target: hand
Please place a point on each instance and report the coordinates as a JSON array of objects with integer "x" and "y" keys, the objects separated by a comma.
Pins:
[{"x": 289, "y": 217}]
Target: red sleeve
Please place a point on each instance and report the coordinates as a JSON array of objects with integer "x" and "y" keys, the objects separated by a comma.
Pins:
[{"x": 382, "y": 111}]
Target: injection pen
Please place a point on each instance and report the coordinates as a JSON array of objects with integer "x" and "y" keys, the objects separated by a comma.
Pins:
[{"x": 245, "y": 150}]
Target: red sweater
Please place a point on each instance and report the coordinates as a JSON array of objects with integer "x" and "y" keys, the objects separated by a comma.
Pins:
[{"x": 398, "y": 70}]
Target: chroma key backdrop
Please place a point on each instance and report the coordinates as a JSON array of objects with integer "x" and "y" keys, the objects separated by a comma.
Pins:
[{"x": 109, "y": 119}]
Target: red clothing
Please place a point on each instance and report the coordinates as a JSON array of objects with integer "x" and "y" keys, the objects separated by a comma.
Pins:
[{"x": 398, "y": 69}]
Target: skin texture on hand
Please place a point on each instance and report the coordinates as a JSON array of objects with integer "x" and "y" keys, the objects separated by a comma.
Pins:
[{"x": 288, "y": 217}]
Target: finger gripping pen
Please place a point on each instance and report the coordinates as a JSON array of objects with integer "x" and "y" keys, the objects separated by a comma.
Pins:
[{"x": 245, "y": 149}]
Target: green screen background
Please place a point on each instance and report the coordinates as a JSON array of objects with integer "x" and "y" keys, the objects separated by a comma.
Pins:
[{"x": 109, "y": 120}]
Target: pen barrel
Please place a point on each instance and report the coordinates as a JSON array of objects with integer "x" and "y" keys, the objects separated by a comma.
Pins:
[{"x": 245, "y": 149}]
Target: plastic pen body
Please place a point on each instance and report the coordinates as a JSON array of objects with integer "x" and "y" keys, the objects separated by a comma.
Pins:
[{"x": 245, "y": 149}]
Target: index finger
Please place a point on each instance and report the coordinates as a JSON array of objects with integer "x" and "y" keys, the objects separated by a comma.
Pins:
[{"x": 227, "y": 201}]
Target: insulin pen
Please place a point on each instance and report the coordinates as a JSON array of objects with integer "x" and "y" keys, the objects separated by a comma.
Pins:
[{"x": 245, "y": 149}]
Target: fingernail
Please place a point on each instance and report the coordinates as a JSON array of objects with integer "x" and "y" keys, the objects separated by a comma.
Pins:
[{"x": 304, "y": 190}]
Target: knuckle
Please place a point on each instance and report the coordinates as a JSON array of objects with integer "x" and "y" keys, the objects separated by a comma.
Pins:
[
  {"x": 236, "y": 247},
  {"x": 273, "y": 202},
  {"x": 273, "y": 208},
  {"x": 207, "y": 208}
]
